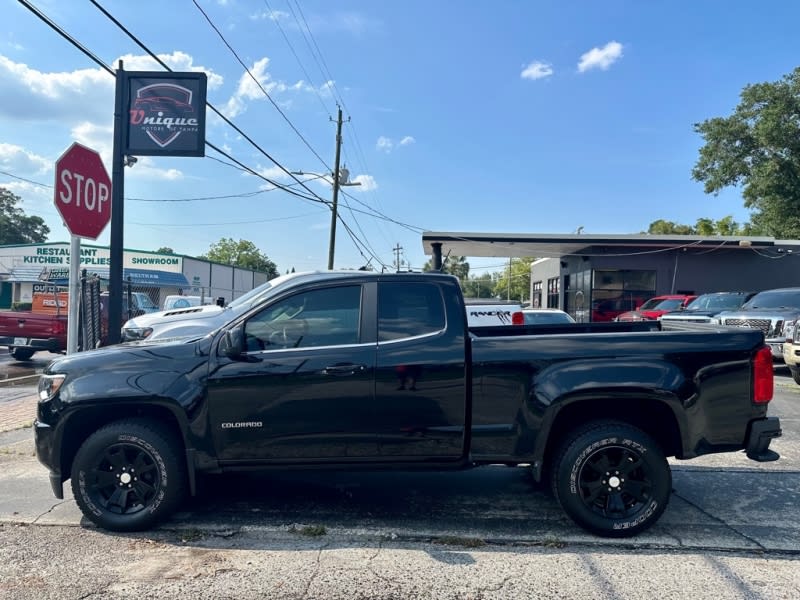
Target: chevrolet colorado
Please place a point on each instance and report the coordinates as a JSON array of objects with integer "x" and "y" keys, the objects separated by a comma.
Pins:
[{"x": 357, "y": 370}]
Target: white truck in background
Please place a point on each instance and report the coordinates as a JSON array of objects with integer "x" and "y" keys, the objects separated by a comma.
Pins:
[{"x": 488, "y": 312}]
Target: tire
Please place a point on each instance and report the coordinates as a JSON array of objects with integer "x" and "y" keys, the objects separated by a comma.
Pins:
[
  {"x": 612, "y": 479},
  {"x": 129, "y": 475},
  {"x": 21, "y": 353},
  {"x": 795, "y": 374}
]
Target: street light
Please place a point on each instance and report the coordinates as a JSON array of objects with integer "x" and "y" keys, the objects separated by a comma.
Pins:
[{"x": 341, "y": 180}]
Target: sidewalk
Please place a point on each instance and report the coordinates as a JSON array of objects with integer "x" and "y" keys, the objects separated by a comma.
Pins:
[{"x": 17, "y": 404}]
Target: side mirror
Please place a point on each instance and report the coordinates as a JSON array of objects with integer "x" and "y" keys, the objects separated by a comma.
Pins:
[
  {"x": 232, "y": 343},
  {"x": 220, "y": 302}
]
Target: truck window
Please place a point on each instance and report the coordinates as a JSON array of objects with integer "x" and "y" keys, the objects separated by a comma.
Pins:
[
  {"x": 323, "y": 317},
  {"x": 409, "y": 309}
]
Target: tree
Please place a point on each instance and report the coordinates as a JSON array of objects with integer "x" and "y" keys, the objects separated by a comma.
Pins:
[
  {"x": 515, "y": 282},
  {"x": 243, "y": 254},
  {"x": 165, "y": 250},
  {"x": 15, "y": 226},
  {"x": 703, "y": 226},
  {"x": 758, "y": 148},
  {"x": 480, "y": 286},
  {"x": 454, "y": 265}
]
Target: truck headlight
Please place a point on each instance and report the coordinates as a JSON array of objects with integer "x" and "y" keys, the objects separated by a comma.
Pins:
[
  {"x": 132, "y": 334},
  {"x": 49, "y": 386}
]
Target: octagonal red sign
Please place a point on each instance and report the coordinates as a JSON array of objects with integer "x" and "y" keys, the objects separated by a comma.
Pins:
[{"x": 83, "y": 191}]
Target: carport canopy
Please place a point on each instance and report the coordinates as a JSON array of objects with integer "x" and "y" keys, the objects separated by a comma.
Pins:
[{"x": 439, "y": 244}]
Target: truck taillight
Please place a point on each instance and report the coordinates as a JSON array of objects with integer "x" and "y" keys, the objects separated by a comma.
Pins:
[
  {"x": 59, "y": 328},
  {"x": 517, "y": 318},
  {"x": 763, "y": 376}
]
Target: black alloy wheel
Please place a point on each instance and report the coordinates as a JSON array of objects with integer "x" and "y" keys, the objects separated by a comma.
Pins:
[
  {"x": 612, "y": 479},
  {"x": 129, "y": 475}
]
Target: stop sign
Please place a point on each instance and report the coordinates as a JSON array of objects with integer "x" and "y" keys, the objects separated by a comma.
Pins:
[{"x": 83, "y": 191}]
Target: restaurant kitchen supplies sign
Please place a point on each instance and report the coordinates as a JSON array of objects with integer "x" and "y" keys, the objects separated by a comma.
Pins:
[{"x": 167, "y": 113}]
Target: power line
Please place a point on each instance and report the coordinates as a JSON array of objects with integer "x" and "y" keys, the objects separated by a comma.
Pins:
[
  {"x": 275, "y": 19},
  {"x": 56, "y": 27},
  {"x": 315, "y": 197},
  {"x": 258, "y": 83},
  {"x": 155, "y": 57}
]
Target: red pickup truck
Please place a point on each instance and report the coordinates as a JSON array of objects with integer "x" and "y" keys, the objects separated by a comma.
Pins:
[{"x": 44, "y": 327}]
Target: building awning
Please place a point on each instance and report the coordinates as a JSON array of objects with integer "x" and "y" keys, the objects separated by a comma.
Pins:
[
  {"x": 26, "y": 275},
  {"x": 140, "y": 277}
]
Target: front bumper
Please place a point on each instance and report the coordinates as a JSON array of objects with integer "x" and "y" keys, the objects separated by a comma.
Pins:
[
  {"x": 43, "y": 436},
  {"x": 762, "y": 432}
]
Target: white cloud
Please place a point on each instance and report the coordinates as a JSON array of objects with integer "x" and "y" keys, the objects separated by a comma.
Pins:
[
  {"x": 96, "y": 137},
  {"x": 249, "y": 89},
  {"x": 537, "y": 70},
  {"x": 367, "y": 182},
  {"x": 352, "y": 23},
  {"x": 272, "y": 15},
  {"x": 145, "y": 168},
  {"x": 29, "y": 94},
  {"x": 600, "y": 58},
  {"x": 178, "y": 61},
  {"x": 32, "y": 95},
  {"x": 17, "y": 160},
  {"x": 384, "y": 144}
]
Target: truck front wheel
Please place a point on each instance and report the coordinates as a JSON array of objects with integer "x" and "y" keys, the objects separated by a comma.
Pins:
[
  {"x": 128, "y": 475},
  {"x": 612, "y": 479}
]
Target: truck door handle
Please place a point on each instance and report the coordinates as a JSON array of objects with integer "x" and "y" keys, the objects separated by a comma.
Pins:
[{"x": 344, "y": 369}]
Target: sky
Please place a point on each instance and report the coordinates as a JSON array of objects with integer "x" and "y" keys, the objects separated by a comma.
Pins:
[{"x": 474, "y": 116}]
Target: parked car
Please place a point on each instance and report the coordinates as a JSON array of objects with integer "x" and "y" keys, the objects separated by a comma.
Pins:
[
  {"x": 771, "y": 312},
  {"x": 179, "y": 301},
  {"x": 545, "y": 316},
  {"x": 377, "y": 370},
  {"x": 791, "y": 354},
  {"x": 704, "y": 308},
  {"x": 657, "y": 306},
  {"x": 608, "y": 309}
]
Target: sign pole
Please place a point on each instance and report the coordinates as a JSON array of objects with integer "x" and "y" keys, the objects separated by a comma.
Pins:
[
  {"x": 117, "y": 207},
  {"x": 73, "y": 302}
]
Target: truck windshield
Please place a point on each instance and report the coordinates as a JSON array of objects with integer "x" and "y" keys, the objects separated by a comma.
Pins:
[{"x": 775, "y": 299}]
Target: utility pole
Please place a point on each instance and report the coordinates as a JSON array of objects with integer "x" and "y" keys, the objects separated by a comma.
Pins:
[
  {"x": 397, "y": 250},
  {"x": 335, "y": 203}
]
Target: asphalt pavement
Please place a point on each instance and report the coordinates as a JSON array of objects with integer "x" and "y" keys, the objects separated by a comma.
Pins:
[{"x": 722, "y": 502}]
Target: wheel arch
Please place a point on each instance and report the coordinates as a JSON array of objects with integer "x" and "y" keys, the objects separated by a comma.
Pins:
[
  {"x": 83, "y": 423},
  {"x": 654, "y": 417}
]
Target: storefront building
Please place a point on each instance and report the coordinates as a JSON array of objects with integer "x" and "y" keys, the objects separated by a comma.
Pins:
[
  {"x": 596, "y": 277},
  {"x": 26, "y": 268}
]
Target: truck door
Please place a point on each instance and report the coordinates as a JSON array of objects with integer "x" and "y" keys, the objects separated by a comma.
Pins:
[
  {"x": 303, "y": 389},
  {"x": 420, "y": 392}
]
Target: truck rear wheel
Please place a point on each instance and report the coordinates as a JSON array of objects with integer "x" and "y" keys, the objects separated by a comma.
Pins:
[
  {"x": 129, "y": 475},
  {"x": 21, "y": 353},
  {"x": 612, "y": 479}
]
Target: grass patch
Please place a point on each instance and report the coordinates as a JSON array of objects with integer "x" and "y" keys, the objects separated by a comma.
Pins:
[
  {"x": 192, "y": 535},
  {"x": 309, "y": 530},
  {"x": 552, "y": 542},
  {"x": 463, "y": 542}
]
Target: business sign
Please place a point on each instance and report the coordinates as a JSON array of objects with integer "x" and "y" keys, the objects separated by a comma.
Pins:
[
  {"x": 55, "y": 256},
  {"x": 166, "y": 113}
]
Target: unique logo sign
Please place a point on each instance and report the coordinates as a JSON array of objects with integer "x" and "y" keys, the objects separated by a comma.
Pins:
[{"x": 167, "y": 113}]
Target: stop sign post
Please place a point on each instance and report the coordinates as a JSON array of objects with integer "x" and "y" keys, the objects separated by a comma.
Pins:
[
  {"x": 83, "y": 198},
  {"x": 83, "y": 191}
]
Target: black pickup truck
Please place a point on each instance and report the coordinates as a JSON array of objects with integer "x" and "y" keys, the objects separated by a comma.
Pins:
[{"x": 380, "y": 371}]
